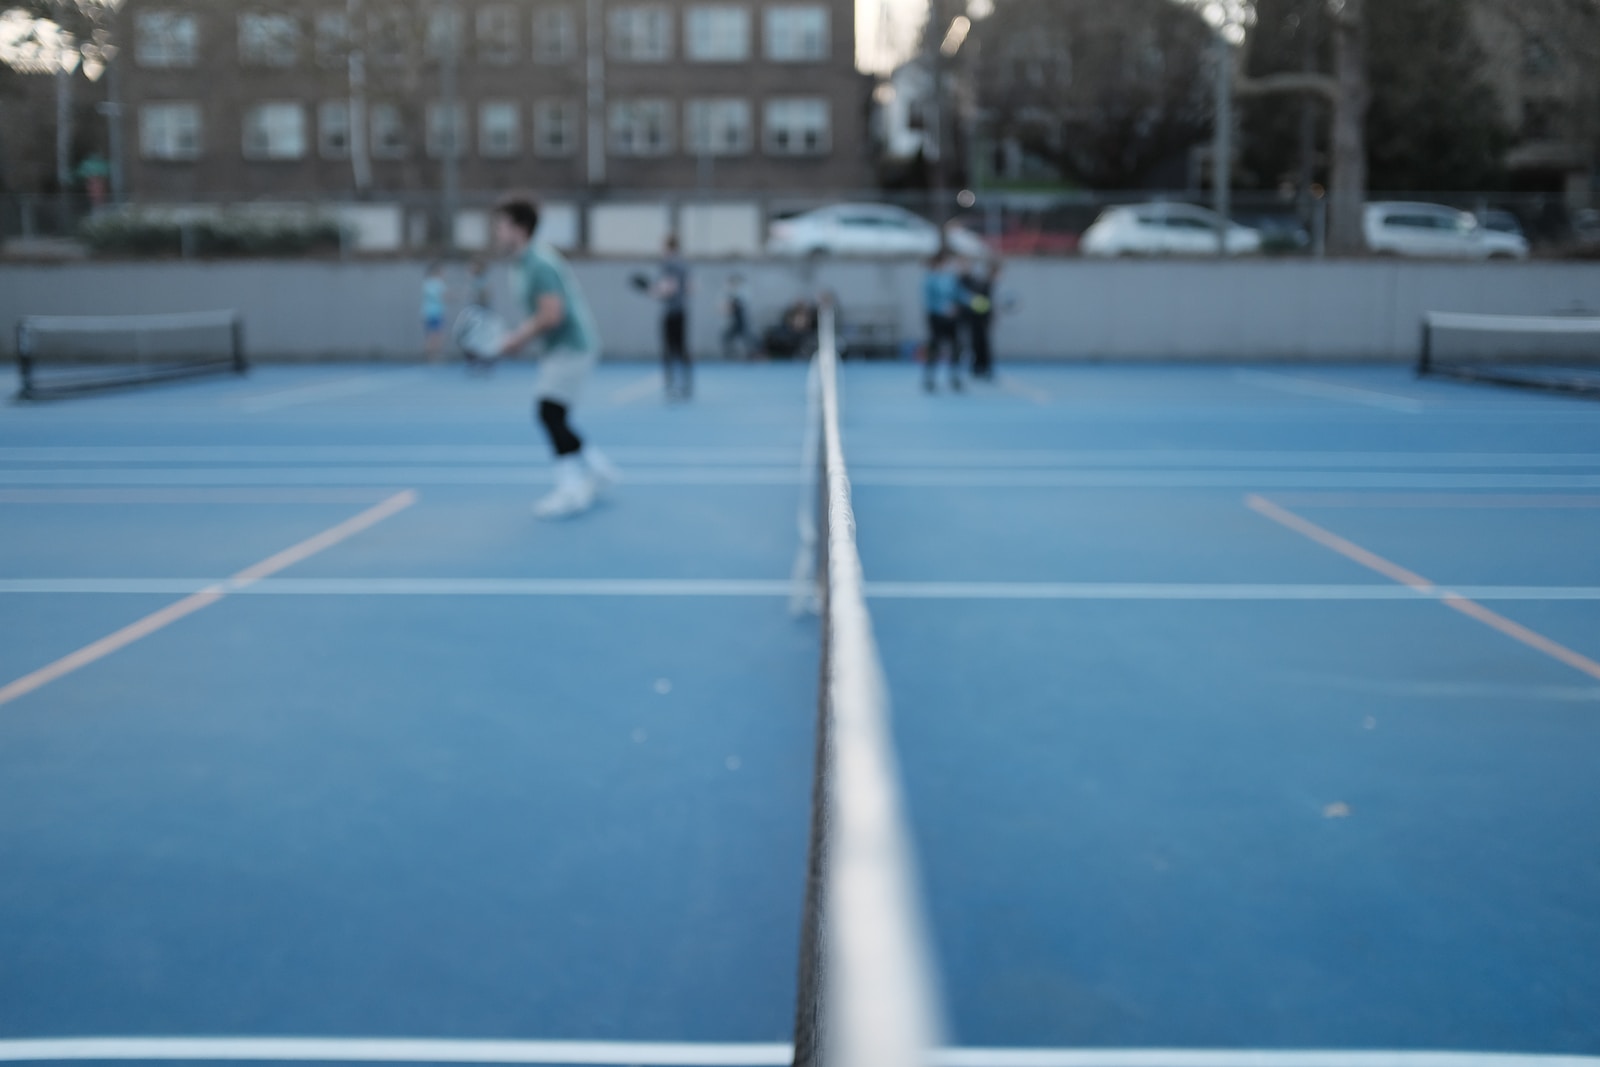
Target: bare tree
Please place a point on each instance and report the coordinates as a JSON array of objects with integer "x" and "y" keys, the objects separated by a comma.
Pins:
[{"x": 1108, "y": 93}]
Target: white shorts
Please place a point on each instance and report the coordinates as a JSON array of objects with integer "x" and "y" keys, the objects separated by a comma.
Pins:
[{"x": 562, "y": 375}]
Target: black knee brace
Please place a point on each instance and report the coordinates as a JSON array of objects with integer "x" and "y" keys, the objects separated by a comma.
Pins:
[{"x": 554, "y": 418}]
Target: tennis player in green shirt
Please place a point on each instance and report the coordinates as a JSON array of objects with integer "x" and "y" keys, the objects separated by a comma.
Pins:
[{"x": 556, "y": 319}]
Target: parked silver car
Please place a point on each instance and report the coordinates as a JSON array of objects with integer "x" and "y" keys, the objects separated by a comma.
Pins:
[
  {"x": 868, "y": 230},
  {"x": 1164, "y": 229},
  {"x": 1435, "y": 231}
]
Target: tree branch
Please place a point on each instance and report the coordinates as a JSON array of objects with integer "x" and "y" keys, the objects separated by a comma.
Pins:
[{"x": 1277, "y": 84}]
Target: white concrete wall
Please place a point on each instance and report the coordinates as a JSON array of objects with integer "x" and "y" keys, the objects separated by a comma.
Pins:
[{"x": 1067, "y": 309}]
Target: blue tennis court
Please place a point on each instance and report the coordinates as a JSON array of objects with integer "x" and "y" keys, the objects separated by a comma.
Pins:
[{"x": 1237, "y": 708}]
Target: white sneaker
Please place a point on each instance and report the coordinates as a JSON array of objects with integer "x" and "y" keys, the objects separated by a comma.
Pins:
[
  {"x": 573, "y": 494},
  {"x": 603, "y": 473}
]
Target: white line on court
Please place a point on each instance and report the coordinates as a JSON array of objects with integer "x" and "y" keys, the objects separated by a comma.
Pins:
[
  {"x": 1254, "y": 480},
  {"x": 337, "y": 389},
  {"x": 684, "y": 1054},
  {"x": 757, "y": 588},
  {"x": 1290, "y": 383},
  {"x": 1020, "y": 388},
  {"x": 636, "y": 390},
  {"x": 1133, "y": 1057},
  {"x": 191, "y": 496},
  {"x": 867, "y": 456}
]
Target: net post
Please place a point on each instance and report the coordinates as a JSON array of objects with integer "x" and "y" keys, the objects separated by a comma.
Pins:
[
  {"x": 809, "y": 1021},
  {"x": 236, "y": 335},
  {"x": 24, "y": 361},
  {"x": 1425, "y": 353}
]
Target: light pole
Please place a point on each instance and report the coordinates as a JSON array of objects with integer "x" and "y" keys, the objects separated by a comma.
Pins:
[
  {"x": 449, "y": 64},
  {"x": 1222, "y": 143}
]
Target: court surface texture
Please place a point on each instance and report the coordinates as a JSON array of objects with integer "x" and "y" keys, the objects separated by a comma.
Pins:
[{"x": 1238, "y": 708}]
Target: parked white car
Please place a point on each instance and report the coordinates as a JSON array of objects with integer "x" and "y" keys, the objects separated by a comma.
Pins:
[
  {"x": 1436, "y": 232},
  {"x": 1165, "y": 230},
  {"x": 868, "y": 230}
]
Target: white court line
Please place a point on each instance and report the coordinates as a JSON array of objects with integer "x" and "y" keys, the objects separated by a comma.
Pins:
[
  {"x": 757, "y": 588},
  {"x": 337, "y": 389},
  {"x": 1252, "y": 480},
  {"x": 636, "y": 390},
  {"x": 399, "y": 1050},
  {"x": 1133, "y": 1057},
  {"x": 1289, "y": 383},
  {"x": 670, "y": 455},
  {"x": 191, "y": 496},
  {"x": 684, "y": 1054},
  {"x": 1020, "y": 388}
]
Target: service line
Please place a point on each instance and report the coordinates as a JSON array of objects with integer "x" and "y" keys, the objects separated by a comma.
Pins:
[
  {"x": 1451, "y": 599},
  {"x": 204, "y": 598}
]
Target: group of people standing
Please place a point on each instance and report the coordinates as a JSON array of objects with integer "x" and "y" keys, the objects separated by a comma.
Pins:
[{"x": 958, "y": 296}]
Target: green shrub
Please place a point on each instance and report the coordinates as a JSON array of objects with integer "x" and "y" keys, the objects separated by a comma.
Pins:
[{"x": 222, "y": 236}]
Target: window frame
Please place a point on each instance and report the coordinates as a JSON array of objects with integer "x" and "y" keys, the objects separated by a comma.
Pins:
[
  {"x": 498, "y": 45},
  {"x": 324, "y": 109},
  {"x": 378, "y": 115},
  {"x": 543, "y": 109},
  {"x": 279, "y": 51},
  {"x": 174, "y": 53},
  {"x": 566, "y": 18},
  {"x": 769, "y": 128},
  {"x": 514, "y": 149},
  {"x": 694, "y": 106},
  {"x": 662, "y": 106},
  {"x": 772, "y": 24},
  {"x": 191, "y": 108},
  {"x": 693, "y": 54},
  {"x": 268, "y": 155},
  {"x": 620, "y": 45}
]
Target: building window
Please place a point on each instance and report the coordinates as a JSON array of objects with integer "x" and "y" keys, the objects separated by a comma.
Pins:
[
  {"x": 797, "y": 33},
  {"x": 718, "y": 34},
  {"x": 332, "y": 38},
  {"x": 641, "y": 128},
  {"x": 499, "y": 129},
  {"x": 555, "y": 34},
  {"x": 445, "y": 31},
  {"x": 641, "y": 34},
  {"x": 389, "y": 36},
  {"x": 275, "y": 131},
  {"x": 165, "y": 39},
  {"x": 388, "y": 132},
  {"x": 555, "y": 128},
  {"x": 169, "y": 131},
  {"x": 269, "y": 40},
  {"x": 717, "y": 127},
  {"x": 447, "y": 130},
  {"x": 333, "y": 129},
  {"x": 797, "y": 126},
  {"x": 497, "y": 34}
]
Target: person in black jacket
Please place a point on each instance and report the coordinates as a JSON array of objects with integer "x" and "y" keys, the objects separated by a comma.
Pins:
[{"x": 977, "y": 314}]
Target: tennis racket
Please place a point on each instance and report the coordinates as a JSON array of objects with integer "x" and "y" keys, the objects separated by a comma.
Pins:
[{"x": 479, "y": 333}]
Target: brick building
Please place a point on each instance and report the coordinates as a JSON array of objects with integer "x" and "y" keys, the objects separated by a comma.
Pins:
[{"x": 334, "y": 98}]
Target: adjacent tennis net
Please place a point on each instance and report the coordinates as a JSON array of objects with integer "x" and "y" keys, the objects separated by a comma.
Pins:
[
  {"x": 1555, "y": 352},
  {"x": 868, "y": 992},
  {"x": 63, "y": 355}
]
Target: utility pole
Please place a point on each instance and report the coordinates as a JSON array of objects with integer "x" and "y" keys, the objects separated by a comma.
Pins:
[
  {"x": 112, "y": 110},
  {"x": 360, "y": 162},
  {"x": 1222, "y": 143},
  {"x": 449, "y": 64},
  {"x": 595, "y": 92},
  {"x": 64, "y": 68}
]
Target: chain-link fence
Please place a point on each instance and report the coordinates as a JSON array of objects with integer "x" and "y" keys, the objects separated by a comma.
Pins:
[{"x": 732, "y": 224}]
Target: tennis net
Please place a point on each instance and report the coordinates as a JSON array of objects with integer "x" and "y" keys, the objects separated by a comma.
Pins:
[
  {"x": 62, "y": 355},
  {"x": 868, "y": 994},
  {"x": 1555, "y": 352}
]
